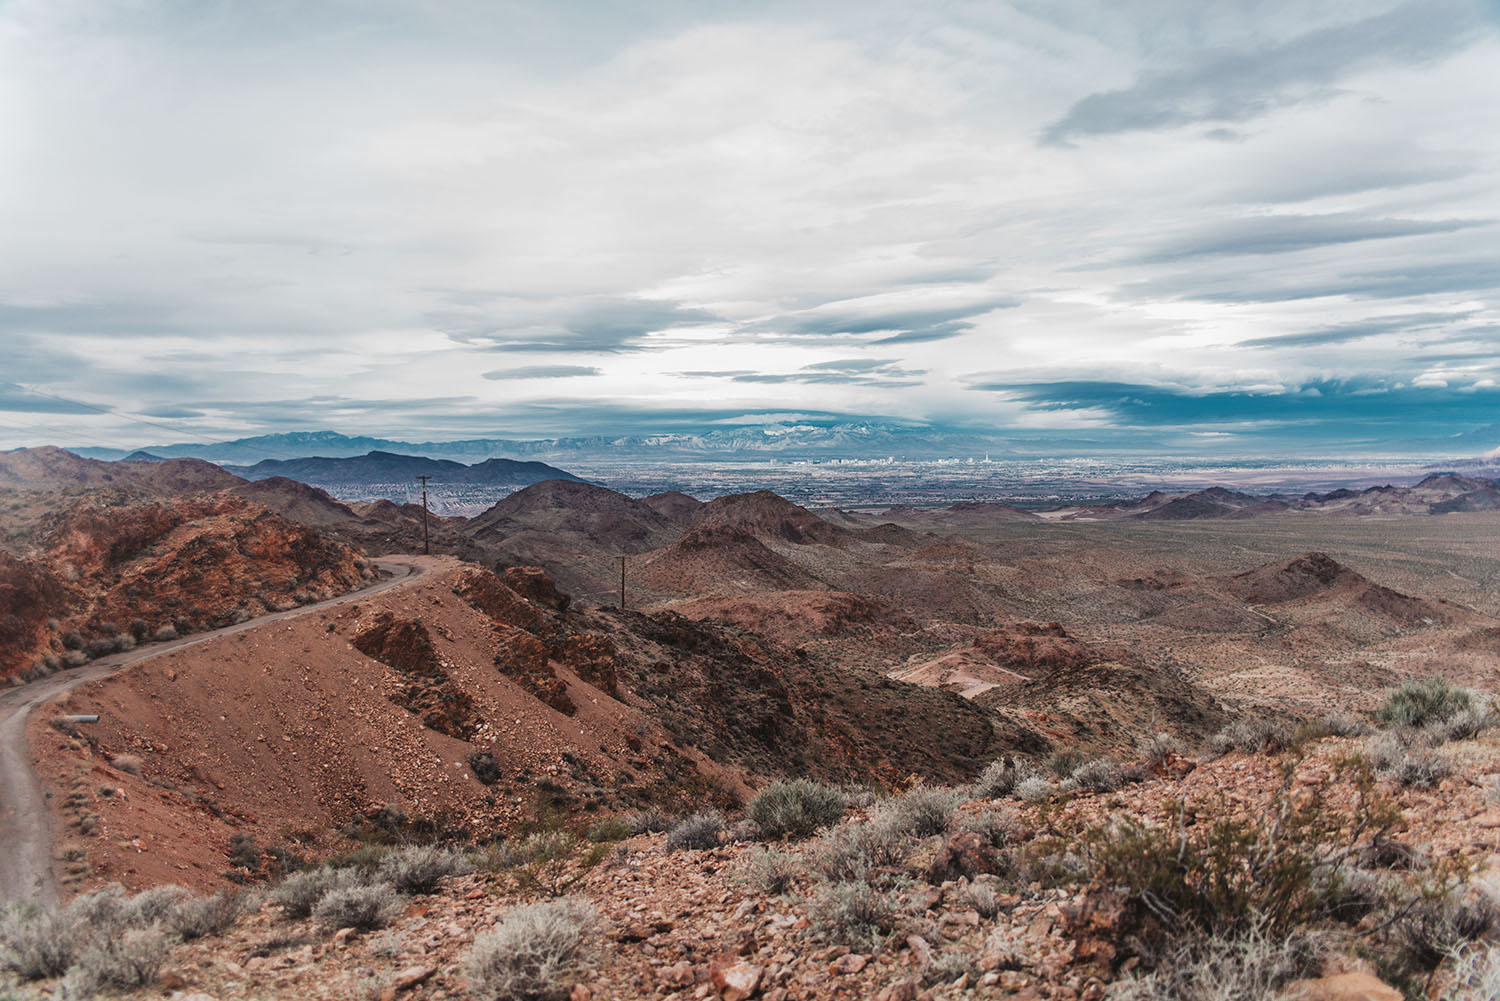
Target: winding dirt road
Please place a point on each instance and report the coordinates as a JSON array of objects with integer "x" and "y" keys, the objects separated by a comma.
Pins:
[{"x": 26, "y": 871}]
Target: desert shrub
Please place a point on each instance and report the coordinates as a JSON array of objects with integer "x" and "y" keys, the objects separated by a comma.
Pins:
[
  {"x": 1252, "y": 965},
  {"x": 1157, "y": 748},
  {"x": 853, "y": 914},
  {"x": 195, "y": 917},
  {"x": 1034, "y": 789},
  {"x": 1466, "y": 724},
  {"x": 651, "y": 820},
  {"x": 128, "y": 763},
  {"x": 922, "y": 811},
  {"x": 544, "y": 859},
  {"x": 1418, "y": 768},
  {"x": 165, "y": 634},
  {"x": 1417, "y": 703},
  {"x": 139, "y": 629},
  {"x": 533, "y": 953},
  {"x": 420, "y": 868},
  {"x": 950, "y": 967},
  {"x": 364, "y": 907},
  {"x": 1098, "y": 775},
  {"x": 796, "y": 809},
  {"x": 981, "y": 898},
  {"x": 75, "y": 658},
  {"x": 486, "y": 770},
  {"x": 1475, "y": 973},
  {"x": 36, "y": 943},
  {"x": 997, "y": 780},
  {"x": 608, "y": 830},
  {"x": 1341, "y": 725},
  {"x": 118, "y": 962},
  {"x": 1269, "y": 872},
  {"x": 769, "y": 870},
  {"x": 998, "y": 827},
  {"x": 1253, "y": 736},
  {"x": 1439, "y": 925},
  {"x": 857, "y": 852},
  {"x": 72, "y": 640},
  {"x": 108, "y": 911},
  {"x": 1062, "y": 763},
  {"x": 153, "y": 905},
  {"x": 300, "y": 892},
  {"x": 698, "y": 831}
]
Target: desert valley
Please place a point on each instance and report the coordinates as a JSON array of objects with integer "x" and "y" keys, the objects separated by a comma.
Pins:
[{"x": 903, "y": 753}]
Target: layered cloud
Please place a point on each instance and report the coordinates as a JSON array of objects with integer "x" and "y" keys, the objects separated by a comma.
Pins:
[{"x": 1254, "y": 219}]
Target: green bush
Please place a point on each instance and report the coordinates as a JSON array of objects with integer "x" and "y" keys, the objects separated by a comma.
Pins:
[
  {"x": 609, "y": 830},
  {"x": 920, "y": 812},
  {"x": 1418, "y": 703},
  {"x": 533, "y": 953},
  {"x": 796, "y": 809}
]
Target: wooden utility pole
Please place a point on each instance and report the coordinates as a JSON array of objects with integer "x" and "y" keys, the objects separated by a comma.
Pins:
[
  {"x": 622, "y": 583},
  {"x": 426, "y": 547}
]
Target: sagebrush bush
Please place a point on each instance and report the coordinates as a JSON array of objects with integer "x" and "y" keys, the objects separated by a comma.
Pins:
[
  {"x": 1466, "y": 724},
  {"x": 769, "y": 870},
  {"x": 420, "y": 868},
  {"x": 532, "y": 954},
  {"x": 922, "y": 811},
  {"x": 364, "y": 908},
  {"x": 300, "y": 892},
  {"x": 857, "y": 852},
  {"x": 980, "y": 898},
  {"x": 796, "y": 809},
  {"x": 1253, "y": 736},
  {"x": 118, "y": 962},
  {"x": 1098, "y": 775},
  {"x": 1253, "y": 966},
  {"x": 36, "y": 943},
  {"x": 1418, "y": 768},
  {"x": 1417, "y": 703},
  {"x": 1157, "y": 748},
  {"x": 1435, "y": 927},
  {"x": 1475, "y": 973},
  {"x": 195, "y": 917},
  {"x": 855, "y": 914},
  {"x": 1342, "y": 725},
  {"x": 1034, "y": 789},
  {"x": 608, "y": 830},
  {"x": 998, "y": 827},
  {"x": 699, "y": 831},
  {"x": 996, "y": 781},
  {"x": 1060, "y": 764},
  {"x": 150, "y": 906},
  {"x": 651, "y": 820}
]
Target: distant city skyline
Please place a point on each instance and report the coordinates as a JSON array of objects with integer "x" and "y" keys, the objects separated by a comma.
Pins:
[{"x": 1241, "y": 228}]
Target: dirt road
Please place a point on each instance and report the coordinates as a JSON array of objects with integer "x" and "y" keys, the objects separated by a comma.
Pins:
[{"x": 26, "y": 871}]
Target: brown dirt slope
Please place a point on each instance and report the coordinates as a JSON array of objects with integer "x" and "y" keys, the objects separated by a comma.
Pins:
[
  {"x": 768, "y": 516},
  {"x": 716, "y": 558}
]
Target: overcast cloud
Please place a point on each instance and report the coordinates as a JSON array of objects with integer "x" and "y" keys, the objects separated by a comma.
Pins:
[{"x": 430, "y": 218}]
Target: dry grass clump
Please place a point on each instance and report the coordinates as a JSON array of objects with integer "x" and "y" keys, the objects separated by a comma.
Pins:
[
  {"x": 997, "y": 780},
  {"x": 300, "y": 892},
  {"x": 533, "y": 953},
  {"x": 1475, "y": 973},
  {"x": 651, "y": 820},
  {"x": 1098, "y": 775},
  {"x": 796, "y": 809},
  {"x": 1035, "y": 789},
  {"x": 1251, "y": 965},
  {"x": 1156, "y": 749}
]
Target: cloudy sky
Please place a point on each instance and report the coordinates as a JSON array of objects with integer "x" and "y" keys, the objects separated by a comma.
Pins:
[{"x": 1241, "y": 223}]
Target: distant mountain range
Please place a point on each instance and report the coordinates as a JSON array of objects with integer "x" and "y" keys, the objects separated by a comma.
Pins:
[{"x": 378, "y": 467}]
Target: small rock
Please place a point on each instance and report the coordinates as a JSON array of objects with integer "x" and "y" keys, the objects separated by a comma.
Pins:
[
  {"x": 850, "y": 964},
  {"x": 580, "y": 993},
  {"x": 172, "y": 980},
  {"x": 340, "y": 938},
  {"x": 1343, "y": 987},
  {"x": 921, "y": 952},
  {"x": 903, "y": 990},
  {"x": 680, "y": 975},
  {"x": 735, "y": 981}
]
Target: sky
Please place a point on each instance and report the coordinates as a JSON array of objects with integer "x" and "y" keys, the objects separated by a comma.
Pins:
[{"x": 1230, "y": 226}]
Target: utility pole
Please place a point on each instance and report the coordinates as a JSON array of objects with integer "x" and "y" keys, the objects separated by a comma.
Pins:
[
  {"x": 622, "y": 583},
  {"x": 426, "y": 547}
]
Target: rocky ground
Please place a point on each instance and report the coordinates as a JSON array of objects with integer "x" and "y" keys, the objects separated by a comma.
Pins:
[{"x": 971, "y": 915}]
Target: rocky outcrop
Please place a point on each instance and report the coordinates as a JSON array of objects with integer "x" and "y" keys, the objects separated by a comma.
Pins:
[{"x": 422, "y": 684}]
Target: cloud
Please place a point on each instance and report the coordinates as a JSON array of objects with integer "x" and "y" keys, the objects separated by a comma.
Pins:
[
  {"x": 541, "y": 372},
  {"x": 1282, "y": 234},
  {"x": 1346, "y": 332},
  {"x": 604, "y": 324},
  {"x": 874, "y": 315},
  {"x": 1228, "y": 85},
  {"x": 19, "y": 399}
]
